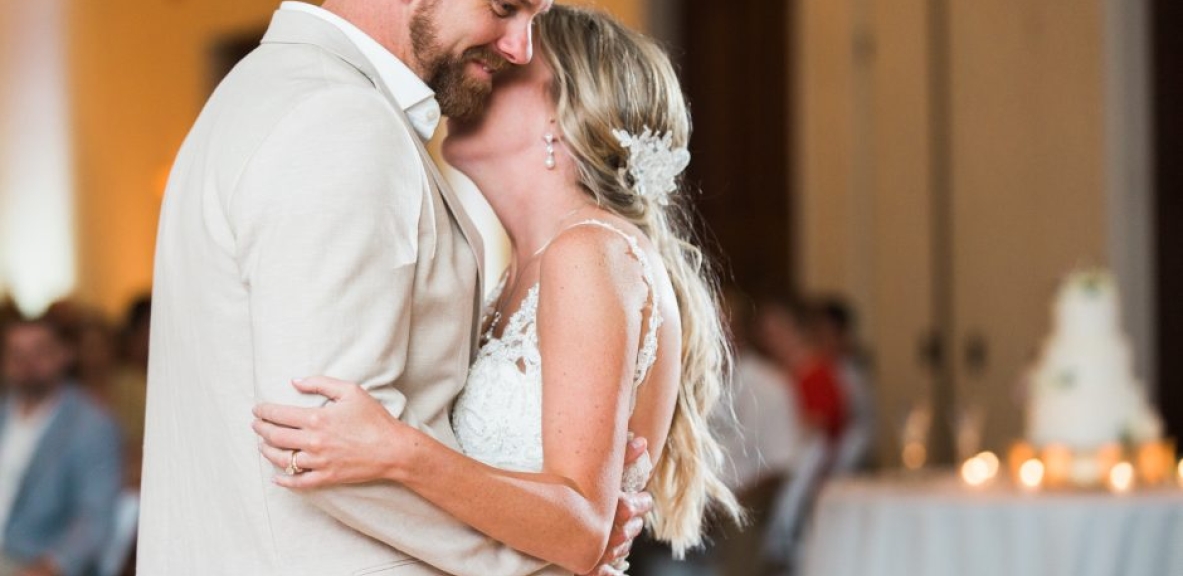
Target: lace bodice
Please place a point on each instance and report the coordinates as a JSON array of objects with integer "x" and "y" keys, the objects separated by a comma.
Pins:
[{"x": 498, "y": 416}]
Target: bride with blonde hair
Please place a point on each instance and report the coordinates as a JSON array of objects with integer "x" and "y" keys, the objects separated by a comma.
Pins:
[{"x": 605, "y": 324}]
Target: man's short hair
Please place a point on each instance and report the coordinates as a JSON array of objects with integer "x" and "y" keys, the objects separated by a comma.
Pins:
[
  {"x": 58, "y": 332},
  {"x": 835, "y": 310}
]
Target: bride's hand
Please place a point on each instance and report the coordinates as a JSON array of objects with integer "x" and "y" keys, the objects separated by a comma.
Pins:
[
  {"x": 350, "y": 440},
  {"x": 631, "y": 509}
]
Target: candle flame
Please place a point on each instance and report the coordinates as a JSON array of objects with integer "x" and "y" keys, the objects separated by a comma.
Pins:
[
  {"x": 1031, "y": 473},
  {"x": 1121, "y": 477},
  {"x": 992, "y": 462},
  {"x": 975, "y": 471}
]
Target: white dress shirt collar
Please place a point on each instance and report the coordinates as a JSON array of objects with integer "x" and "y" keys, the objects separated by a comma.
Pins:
[{"x": 410, "y": 91}]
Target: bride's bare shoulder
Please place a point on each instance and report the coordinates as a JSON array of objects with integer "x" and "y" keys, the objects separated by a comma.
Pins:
[{"x": 591, "y": 257}]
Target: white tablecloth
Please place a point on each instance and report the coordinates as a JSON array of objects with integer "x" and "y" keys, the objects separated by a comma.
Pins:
[{"x": 935, "y": 526}]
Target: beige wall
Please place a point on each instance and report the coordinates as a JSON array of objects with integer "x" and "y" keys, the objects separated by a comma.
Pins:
[
  {"x": 1028, "y": 169},
  {"x": 630, "y": 12},
  {"x": 863, "y": 179},
  {"x": 1029, "y": 182},
  {"x": 140, "y": 76}
]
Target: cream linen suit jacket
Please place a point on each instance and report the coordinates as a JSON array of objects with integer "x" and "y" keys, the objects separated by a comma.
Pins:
[{"x": 283, "y": 252}]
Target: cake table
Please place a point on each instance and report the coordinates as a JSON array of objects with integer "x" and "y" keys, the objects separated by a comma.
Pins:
[{"x": 935, "y": 525}]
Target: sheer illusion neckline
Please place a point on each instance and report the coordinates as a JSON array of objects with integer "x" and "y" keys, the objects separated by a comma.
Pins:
[
  {"x": 498, "y": 416},
  {"x": 522, "y": 323}
]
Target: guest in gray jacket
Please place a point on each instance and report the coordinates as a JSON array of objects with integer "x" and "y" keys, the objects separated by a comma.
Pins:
[{"x": 59, "y": 461}]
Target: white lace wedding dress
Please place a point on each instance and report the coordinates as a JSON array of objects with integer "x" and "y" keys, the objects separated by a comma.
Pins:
[{"x": 498, "y": 416}]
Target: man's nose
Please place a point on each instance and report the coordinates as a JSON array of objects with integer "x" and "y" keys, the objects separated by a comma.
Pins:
[{"x": 517, "y": 44}]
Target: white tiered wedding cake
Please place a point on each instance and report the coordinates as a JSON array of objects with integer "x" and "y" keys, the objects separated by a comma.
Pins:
[{"x": 1083, "y": 392}]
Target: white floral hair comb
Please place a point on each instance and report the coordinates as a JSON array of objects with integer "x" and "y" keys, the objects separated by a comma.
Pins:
[{"x": 653, "y": 162}]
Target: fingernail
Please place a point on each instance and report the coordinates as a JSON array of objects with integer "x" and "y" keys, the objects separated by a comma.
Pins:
[{"x": 298, "y": 380}]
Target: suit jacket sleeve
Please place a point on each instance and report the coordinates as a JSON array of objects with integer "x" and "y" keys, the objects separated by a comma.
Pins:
[{"x": 326, "y": 215}]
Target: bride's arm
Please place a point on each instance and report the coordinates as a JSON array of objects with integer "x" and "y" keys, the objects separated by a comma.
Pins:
[{"x": 589, "y": 323}]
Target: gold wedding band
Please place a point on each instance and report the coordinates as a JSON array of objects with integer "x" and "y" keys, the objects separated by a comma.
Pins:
[{"x": 293, "y": 468}]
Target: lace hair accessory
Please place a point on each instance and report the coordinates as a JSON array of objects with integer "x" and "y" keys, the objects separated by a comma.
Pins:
[{"x": 653, "y": 163}]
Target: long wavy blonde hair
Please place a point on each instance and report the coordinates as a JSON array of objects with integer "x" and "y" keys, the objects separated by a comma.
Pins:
[{"x": 607, "y": 78}]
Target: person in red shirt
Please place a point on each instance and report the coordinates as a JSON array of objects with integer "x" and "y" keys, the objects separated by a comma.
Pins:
[{"x": 786, "y": 333}]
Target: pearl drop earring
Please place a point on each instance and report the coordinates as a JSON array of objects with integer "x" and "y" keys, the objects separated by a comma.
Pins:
[{"x": 550, "y": 151}]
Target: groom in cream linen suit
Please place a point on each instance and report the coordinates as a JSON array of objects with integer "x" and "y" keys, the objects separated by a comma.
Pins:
[{"x": 305, "y": 230}]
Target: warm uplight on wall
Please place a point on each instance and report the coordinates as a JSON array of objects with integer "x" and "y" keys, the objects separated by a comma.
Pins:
[
  {"x": 915, "y": 456},
  {"x": 37, "y": 252}
]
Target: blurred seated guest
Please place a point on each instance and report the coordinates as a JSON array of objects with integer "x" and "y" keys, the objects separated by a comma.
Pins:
[
  {"x": 762, "y": 438},
  {"x": 8, "y": 311},
  {"x": 67, "y": 317},
  {"x": 786, "y": 331},
  {"x": 765, "y": 437},
  {"x": 112, "y": 366},
  {"x": 59, "y": 460},
  {"x": 129, "y": 390},
  {"x": 836, "y": 327},
  {"x": 96, "y": 357}
]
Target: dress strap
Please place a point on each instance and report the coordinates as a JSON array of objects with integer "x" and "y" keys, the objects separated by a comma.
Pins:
[{"x": 648, "y": 353}]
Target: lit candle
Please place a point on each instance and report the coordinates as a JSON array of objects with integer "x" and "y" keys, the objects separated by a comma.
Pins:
[
  {"x": 1121, "y": 478},
  {"x": 1019, "y": 453},
  {"x": 1058, "y": 463},
  {"x": 1031, "y": 474},
  {"x": 975, "y": 471},
  {"x": 1152, "y": 463},
  {"x": 1181, "y": 473},
  {"x": 992, "y": 463}
]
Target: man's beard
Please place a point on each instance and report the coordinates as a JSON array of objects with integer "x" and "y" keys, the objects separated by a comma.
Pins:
[
  {"x": 33, "y": 389},
  {"x": 460, "y": 96}
]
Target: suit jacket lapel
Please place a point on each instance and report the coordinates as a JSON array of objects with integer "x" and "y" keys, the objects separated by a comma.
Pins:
[
  {"x": 471, "y": 234},
  {"x": 456, "y": 207},
  {"x": 290, "y": 27}
]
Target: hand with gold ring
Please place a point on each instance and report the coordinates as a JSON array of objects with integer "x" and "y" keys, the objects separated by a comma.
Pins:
[{"x": 351, "y": 439}]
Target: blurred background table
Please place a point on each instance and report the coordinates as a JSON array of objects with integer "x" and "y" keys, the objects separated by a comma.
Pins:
[{"x": 936, "y": 526}]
